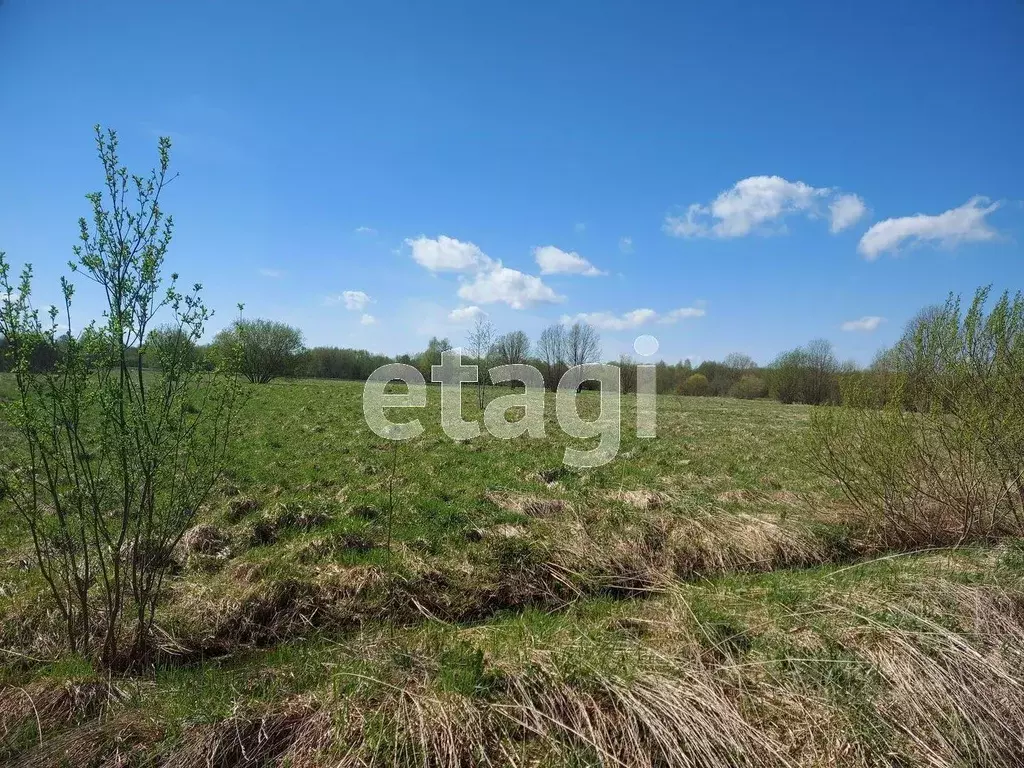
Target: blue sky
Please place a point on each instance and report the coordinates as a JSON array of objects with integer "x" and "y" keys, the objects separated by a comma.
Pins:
[{"x": 695, "y": 157}]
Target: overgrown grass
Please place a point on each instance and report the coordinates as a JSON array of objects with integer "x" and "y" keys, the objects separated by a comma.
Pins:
[{"x": 704, "y": 599}]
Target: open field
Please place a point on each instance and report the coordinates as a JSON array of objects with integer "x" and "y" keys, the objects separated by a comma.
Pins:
[{"x": 704, "y": 599}]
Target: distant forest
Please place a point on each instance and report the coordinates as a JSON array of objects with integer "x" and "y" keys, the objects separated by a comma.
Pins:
[{"x": 809, "y": 374}]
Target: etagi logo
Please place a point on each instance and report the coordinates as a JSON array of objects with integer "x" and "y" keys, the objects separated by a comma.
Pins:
[{"x": 451, "y": 374}]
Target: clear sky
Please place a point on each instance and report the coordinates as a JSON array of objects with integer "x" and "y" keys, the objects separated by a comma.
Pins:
[{"x": 727, "y": 176}]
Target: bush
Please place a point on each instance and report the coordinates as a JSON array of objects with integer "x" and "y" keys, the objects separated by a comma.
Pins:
[
  {"x": 784, "y": 376},
  {"x": 260, "y": 350},
  {"x": 749, "y": 387},
  {"x": 943, "y": 460},
  {"x": 169, "y": 347},
  {"x": 695, "y": 386},
  {"x": 107, "y": 464},
  {"x": 670, "y": 378},
  {"x": 335, "y": 363},
  {"x": 805, "y": 375}
]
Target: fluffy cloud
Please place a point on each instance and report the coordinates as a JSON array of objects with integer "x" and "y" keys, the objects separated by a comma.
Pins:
[
  {"x": 355, "y": 301},
  {"x": 555, "y": 261},
  {"x": 367, "y": 319},
  {"x": 466, "y": 314},
  {"x": 487, "y": 281},
  {"x": 866, "y": 323},
  {"x": 964, "y": 224},
  {"x": 446, "y": 254},
  {"x": 609, "y": 321},
  {"x": 845, "y": 211},
  {"x": 501, "y": 284},
  {"x": 626, "y": 244},
  {"x": 365, "y": 231},
  {"x": 754, "y": 203}
]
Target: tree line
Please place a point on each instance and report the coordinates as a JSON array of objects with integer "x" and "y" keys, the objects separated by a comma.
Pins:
[{"x": 262, "y": 350}]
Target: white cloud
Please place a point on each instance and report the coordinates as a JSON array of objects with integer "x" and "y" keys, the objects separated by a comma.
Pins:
[
  {"x": 365, "y": 231},
  {"x": 367, "y": 319},
  {"x": 866, "y": 323},
  {"x": 466, "y": 314},
  {"x": 751, "y": 205},
  {"x": 555, "y": 261},
  {"x": 501, "y": 284},
  {"x": 446, "y": 254},
  {"x": 490, "y": 281},
  {"x": 275, "y": 273},
  {"x": 626, "y": 244},
  {"x": 356, "y": 301},
  {"x": 609, "y": 321},
  {"x": 681, "y": 314},
  {"x": 964, "y": 224},
  {"x": 845, "y": 211}
]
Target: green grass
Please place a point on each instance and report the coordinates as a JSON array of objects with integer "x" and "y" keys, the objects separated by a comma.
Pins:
[
  {"x": 710, "y": 555},
  {"x": 306, "y": 441}
]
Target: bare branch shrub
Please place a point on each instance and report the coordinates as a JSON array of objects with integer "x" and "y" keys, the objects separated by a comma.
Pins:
[
  {"x": 931, "y": 448},
  {"x": 480, "y": 340}
]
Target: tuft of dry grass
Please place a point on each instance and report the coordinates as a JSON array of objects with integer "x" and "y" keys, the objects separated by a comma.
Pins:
[
  {"x": 239, "y": 508},
  {"x": 639, "y": 499},
  {"x": 98, "y": 744},
  {"x": 955, "y": 697},
  {"x": 204, "y": 547},
  {"x": 246, "y": 739},
  {"x": 653, "y": 552},
  {"x": 525, "y": 504},
  {"x": 666, "y": 714},
  {"x": 45, "y": 707}
]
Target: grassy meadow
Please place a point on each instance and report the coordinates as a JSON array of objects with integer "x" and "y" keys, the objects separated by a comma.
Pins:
[{"x": 704, "y": 599}]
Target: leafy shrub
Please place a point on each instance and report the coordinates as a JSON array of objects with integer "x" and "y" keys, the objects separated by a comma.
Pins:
[
  {"x": 108, "y": 463},
  {"x": 261, "y": 350},
  {"x": 695, "y": 386},
  {"x": 749, "y": 387},
  {"x": 335, "y": 363},
  {"x": 805, "y": 375}
]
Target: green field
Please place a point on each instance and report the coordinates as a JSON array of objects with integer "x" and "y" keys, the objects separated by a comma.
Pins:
[{"x": 704, "y": 599}]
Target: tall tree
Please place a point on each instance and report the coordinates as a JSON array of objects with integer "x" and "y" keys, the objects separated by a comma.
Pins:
[
  {"x": 582, "y": 344},
  {"x": 627, "y": 369},
  {"x": 480, "y": 339},
  {"x": 432, "y": 355},
  {"x": 512, "y": 348},
  {"x": 740, "y": 362},
  {"x": 551, "y": 349}
]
